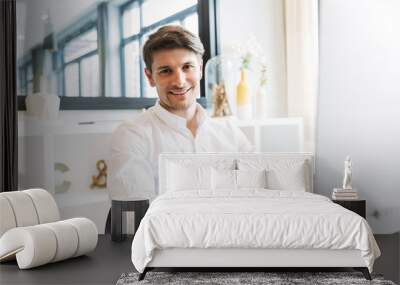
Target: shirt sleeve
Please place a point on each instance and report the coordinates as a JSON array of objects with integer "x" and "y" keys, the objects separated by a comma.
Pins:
[{"x": 130, "y": 171}]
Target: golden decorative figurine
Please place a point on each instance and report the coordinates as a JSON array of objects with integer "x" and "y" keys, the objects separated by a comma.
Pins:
[
  {"x": 100, "y": 180},
  {"x": 221, "y": 104}
]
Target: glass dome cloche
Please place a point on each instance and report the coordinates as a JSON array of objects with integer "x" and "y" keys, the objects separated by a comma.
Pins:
[{"x": 231, "y": 86}]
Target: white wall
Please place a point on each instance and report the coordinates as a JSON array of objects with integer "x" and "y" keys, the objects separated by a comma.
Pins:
[
  {"x": 359, "y": 101},
  {"x": 263, "y": 19}
]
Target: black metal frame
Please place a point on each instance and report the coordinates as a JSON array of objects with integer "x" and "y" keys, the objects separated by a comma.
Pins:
[
  {"x": 103, "y": 103},
  {"x": 208, "y": 31},
  {"x": 364, "y": 270},
  {"x": 8, "y": 100}
]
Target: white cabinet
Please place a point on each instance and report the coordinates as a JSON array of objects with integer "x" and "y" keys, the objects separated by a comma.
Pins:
[{"x": 76, "y": 146}]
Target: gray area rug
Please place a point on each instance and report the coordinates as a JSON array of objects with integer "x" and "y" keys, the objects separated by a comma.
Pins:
[{"x": 228, "y": 278}]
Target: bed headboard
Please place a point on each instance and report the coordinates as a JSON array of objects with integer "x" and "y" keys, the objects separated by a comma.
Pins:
[{"x": 236, "y": 161}]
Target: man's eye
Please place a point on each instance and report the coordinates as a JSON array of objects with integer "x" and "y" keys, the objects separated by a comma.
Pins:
[
  {"x": 188, "y": 67},
  {"x": 164, "y": 71}
]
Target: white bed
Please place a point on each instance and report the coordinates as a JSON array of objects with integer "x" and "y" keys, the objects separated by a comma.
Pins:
[{"x": 218, "y": 210}]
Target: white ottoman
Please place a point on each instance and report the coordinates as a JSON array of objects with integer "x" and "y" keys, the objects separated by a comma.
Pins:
[{"x": 31, "y": 232}]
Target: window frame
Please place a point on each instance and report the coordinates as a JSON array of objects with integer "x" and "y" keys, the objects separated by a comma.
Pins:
[
  {"x": 23, "y": 80},
  {"x": 208, "y": 33},
  {"x": 78, "y": 60},
  {"x": 179, "y": 16}
]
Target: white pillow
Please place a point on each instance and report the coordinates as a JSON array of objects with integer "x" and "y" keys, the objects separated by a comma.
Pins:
[
  {"x": 282, "y": 174},
  {"x": 227, "y": 179},
  {"x": 287, "y": 178},
  {"x": 251, "y": 178},
  {"x": 188, "y": 177},
  {"x": 223, "y": 179}
]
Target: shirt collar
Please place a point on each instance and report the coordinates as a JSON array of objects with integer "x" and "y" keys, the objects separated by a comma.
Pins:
[{"x": 177, "y": 122}]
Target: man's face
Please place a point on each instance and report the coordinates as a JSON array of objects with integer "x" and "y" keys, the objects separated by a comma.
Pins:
[{"x": 176, "y": 74}]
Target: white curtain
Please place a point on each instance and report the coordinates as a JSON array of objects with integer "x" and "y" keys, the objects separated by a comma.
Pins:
[{"x": 301, "y": 28}]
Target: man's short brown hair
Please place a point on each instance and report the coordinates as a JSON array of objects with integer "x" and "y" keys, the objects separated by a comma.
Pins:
[{"x": 171, "y": 37}]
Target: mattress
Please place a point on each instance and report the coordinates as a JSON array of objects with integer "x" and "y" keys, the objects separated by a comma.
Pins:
[{"x": 250, "y": 219}]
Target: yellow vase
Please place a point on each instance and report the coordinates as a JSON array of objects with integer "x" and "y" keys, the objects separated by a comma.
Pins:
[
  {"x": 243, "y": 104},
  {"x": 242, "y": 89}
]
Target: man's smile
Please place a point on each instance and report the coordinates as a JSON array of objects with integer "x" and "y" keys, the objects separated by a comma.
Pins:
[{"x": 179, "y": 92}]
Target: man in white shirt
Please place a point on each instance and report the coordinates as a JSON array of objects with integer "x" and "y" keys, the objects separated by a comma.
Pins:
[{"x": 173, "y": 58}]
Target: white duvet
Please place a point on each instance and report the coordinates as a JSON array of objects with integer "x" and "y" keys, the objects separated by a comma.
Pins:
[{"x": 252, "y": 218}]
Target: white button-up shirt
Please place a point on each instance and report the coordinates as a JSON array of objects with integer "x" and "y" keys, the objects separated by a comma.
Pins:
[{"x": 136, "y": 146}]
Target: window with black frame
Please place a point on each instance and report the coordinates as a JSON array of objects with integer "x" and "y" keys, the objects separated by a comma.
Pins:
[
  {"x": 138, "y": 20},
  {"x": 25, "y": 77},
  {"x": 80, "y": 65},
  {"x": 93, "y": 60}
]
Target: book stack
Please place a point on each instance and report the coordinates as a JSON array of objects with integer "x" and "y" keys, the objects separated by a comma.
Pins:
[{"x": 344, "y": 194}]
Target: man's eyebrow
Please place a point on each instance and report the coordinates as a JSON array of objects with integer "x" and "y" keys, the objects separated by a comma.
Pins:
[
  {"x": 167, "y": 66},
  {"x": 162, "y": 67},
  {"x": 189, "y": 62}
]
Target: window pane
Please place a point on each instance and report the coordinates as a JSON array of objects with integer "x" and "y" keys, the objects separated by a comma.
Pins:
[
  {"x": 72, "y": 80},
  {"x": 21, "y": 88},
  {"x": 131, "y": 20},
  {"x": 21, "y": 82},
  {"x": 132, "y": 72},
  {"x": 146, "y": 35},
  {"x": 156, "y": 10},
  {"x": 90, "y": 76},
  {"x": 192, "y": 23},
  {"x": 29, "y": 72},
  {"x": 30, "y": 88},
  {"x": 60, "y": 83},
  {"x": 80, "y": 45}
]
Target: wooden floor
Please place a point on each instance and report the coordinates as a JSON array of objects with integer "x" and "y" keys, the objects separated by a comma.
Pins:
[{"x": 102, "y": 266}]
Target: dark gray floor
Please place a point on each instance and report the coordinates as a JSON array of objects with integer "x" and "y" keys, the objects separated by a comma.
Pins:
[
  {"x": 111, "y": 259},
  {"x": 102, "y": 266},
  {"x": 389, "y": 262}
]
